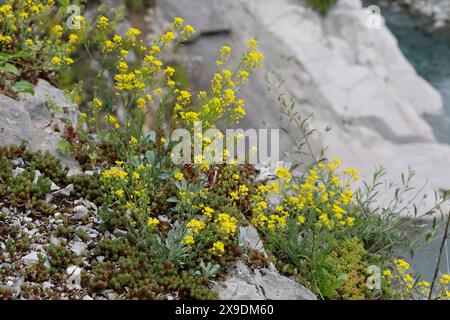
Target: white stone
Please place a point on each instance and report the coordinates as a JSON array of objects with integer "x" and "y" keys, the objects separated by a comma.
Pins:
[
  {"x": 79, "y": 212},
  {"x": 78, "y": 247},
  {"x": 32, "y": 258},
  {"x": 74, "y": 277}
]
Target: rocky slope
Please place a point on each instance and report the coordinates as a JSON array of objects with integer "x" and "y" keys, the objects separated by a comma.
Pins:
[
  {"x": 355, "y": 80},
  {"x": 38, "y": 120},
  {"x": 74, "y": 229}
]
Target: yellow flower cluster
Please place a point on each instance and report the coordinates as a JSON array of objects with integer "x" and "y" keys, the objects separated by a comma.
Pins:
[
  {"x": 22, "y": 30},
  {"x": 226, "y": 225},
  {"x": 220, "y": 104},
  {"x": 196, "y": 226},
  {"x": 137, "y": 85},
  {"x": 218, "y": 248},
  {"x": 115, "y": 172},
  {"x": 322, "y": 199}
]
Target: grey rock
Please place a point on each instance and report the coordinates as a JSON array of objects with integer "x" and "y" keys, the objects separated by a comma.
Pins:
[
  {"x": 120, "y": 233},
  {"x": 80, "y": 212},
  {"x": 18, "y": 162},
  {"x": 47, "y": 285},
  {"x": 54, "y": 240},
  {"x": 88, "y": 204},
  {"x": 164, "y": 218},
  {"x": 206, "y": 16},
  {"x": 30, "y": 120},
  {"x": 249, "y": 235},
  {"x": 32, "y": 258},
  {"x": 74, "y": 277},
  {"x": 78, "y": 247},
  {"x": 17, "y": 288},
  {"x": 37, "y": 175},
  {"x": 64, "y": 192},
  {"x": 54, "y": 187},
  {"x": 5, "y": 211},
  {"x": 261, "y": 284},
  {"x": 18, "y": 171}
]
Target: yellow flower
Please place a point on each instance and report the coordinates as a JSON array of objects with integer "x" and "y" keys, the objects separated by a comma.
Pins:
[
  {"x": 122, "y": 66},
  {"x": 282, "y": 173},
  {"x": 207, "y": 211},
  {"x": 140, "y": 102},
  {"x": 387, "y": 273},
  {"x": 133, "y": 32},
  {"x": 57, "y": 30},
  {"x": 117, "y": 39},
  {"x": 169, "y": 71},
  {"x": 68, "y": 60},
  {"x": 226, "y": 224},
  {"x": 445, "y": 279},
  {"x": 243, "y": 190},
  {"x": 218, "y": 248},
  {"x": 56, "y": 61},
  {"x": 177, "y": 23},
  {"x": 119, "y": 193},
  {"x": 408, "y": 278},
  {"x": 73, "y": 38},
  {"x": 401, "y": 264},
  {"x": 350, "y": 221},
  {"x": 225, "y": 51},
  {"x": 234, "y": 195},
  {"x": 424, "y": 284},
  {"x": 102, "y": 22},
  {"x": 196, "y": 225},
  {"x": 168, "y": 37},
  {"x": 152, "y": 222},
  {"x": 187, "y": 31},
  {"x": 109, "y": 46},
  {"x": 136, "y": 175},
  {"x": 243, "y": 76},
  {"x": 189, "y": 240},
  {"x": 179, "y": 176},
  {"x": 97, "y": 103}
]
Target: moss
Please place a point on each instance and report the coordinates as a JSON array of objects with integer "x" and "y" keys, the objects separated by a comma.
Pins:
[
  {"x": 87, "y": 187},
  {"x": 21, "y": 192},
  {"x": 322, "y": 5},
  {"x": 60, "y": 258}
]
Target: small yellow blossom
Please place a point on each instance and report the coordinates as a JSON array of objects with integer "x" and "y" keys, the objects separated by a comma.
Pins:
[{"x": 179, "y": 176}]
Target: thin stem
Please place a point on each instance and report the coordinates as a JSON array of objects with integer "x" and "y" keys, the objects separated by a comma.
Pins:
[{"x": 436, "y": 270}]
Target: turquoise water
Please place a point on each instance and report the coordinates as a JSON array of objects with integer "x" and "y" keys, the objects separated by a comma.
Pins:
[{"x": 429, "y": 53}]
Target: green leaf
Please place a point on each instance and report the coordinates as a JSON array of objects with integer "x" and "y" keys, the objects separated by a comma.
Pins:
[
  {"x": 93, "y": 156},
  {"x": 172, "y": 200},
  {"x": 151, "y": 156},
  {"x": 10, "y": 68},
  {"x": 64, "y": 146},
  {"x": 24, "y": 86}
]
